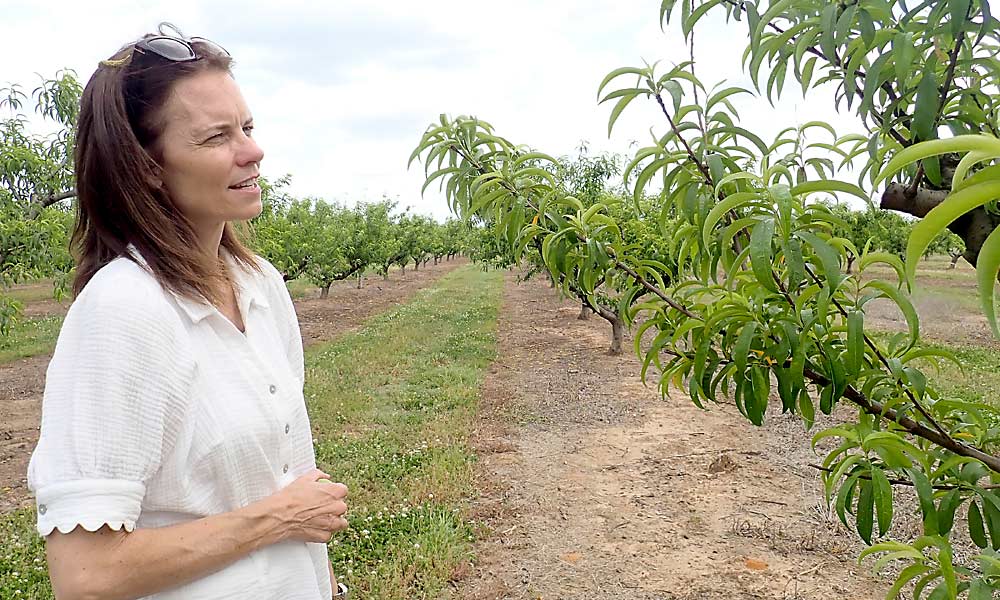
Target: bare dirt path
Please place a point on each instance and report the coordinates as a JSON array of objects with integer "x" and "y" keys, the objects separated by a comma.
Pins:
[
  {"x": 593, "y": 487},
  {"x": 22, "y": 382}
]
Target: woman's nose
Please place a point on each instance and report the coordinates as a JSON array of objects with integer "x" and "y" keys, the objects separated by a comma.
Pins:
[{"x": 250, "y": 152}]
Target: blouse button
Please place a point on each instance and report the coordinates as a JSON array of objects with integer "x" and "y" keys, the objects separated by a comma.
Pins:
[
  {"x": 287, "y": 428},
  {"x": 273, "y": 388},
  {"x": 41, "y": 509},
  {"x": 284, "y": 469}
]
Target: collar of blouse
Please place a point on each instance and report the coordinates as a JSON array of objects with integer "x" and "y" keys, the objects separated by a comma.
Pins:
[{"x": 248, "y": 290}]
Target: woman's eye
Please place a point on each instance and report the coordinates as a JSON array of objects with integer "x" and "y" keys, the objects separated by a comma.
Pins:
[
  {"x": 215, "y": 138},
  {"x": 247, "y": 129}
]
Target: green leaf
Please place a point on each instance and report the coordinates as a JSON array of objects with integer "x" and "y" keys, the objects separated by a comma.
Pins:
[
  {"x": 976, "y": 530},
  {"x": 619, "y": 107},
  {"x": 959, "y": 10},
  {"x": 948, "y": 571},
  {"x": 830, "y": 186},
  {"x": 979, "y": 589},
  {"x": 855, "y": 341},
  {"x": 905, "y": 576},
  {"x": 987, "y": 268},
  {"x": 756, "y": 406},
  {"x": 925, "y": 494},
  {"x": 867, "y": 27},
  {"x": 991, "y": 514},
  {"x": 722, "y": 95},
  {"x": 987, "y": 22},
  {"x": 904, "y": 304},
  {"x": 903, "y": 52},
  {"x": 942, "y": 215},
  {"x": 741, "y": 350},
  {"x": 690, "y": 22},
  {"x": 864, "y": 511},
  {"x": 751, "y": 137},
  {"x": 761, "y": 257},
  {"x": 883, "y": 500},
  {"x": 828, "y": 24},
  {"x": 828, "y": 257},
  {"x": 806, "y": 408},
  {"x": 807, "y": 73},
  {"x": 988, "y": 145},
  {"x": 932, "y": 169},
  {"x": 946, "y": 511},
  {"x": 925, "y": 109},
  {"x": 617, "y": 73}
]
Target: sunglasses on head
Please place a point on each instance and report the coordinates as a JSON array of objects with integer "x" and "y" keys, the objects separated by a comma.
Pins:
[{"x": 176, "y": 49}]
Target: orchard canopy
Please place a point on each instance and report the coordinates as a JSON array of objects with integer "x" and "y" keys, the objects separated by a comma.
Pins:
[{"x": 757, "y": 286}]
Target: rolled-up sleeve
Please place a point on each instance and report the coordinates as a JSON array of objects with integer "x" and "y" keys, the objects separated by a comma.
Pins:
[{"x": 115, "y": 396}]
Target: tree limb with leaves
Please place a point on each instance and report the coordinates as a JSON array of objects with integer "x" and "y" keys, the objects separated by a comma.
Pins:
[{"x": 755, "y": 303}]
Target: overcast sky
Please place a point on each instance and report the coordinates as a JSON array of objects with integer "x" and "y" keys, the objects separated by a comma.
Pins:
[{"x": 342, "y": 90}]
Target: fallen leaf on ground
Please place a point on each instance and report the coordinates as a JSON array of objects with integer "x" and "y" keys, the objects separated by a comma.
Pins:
[
  {"x": 756, "y": 565},
  {"x": 572, "y": 557}
]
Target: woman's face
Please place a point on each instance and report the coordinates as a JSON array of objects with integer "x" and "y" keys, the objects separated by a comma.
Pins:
[{"x": 210, "y": 162}]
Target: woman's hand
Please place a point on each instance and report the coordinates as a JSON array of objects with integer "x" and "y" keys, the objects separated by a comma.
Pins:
[{"x": 312, "y": 508}]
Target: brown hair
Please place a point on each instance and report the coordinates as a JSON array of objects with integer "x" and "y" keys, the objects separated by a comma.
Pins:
[{"x": 120, "y": 199}]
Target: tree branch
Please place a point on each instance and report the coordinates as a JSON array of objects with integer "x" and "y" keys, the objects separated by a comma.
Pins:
[
  {"x": 989, "y": 486},
  {"x": 852, "y": 394},
  {"x": 973, "y": 227},
  {"x": 40, "y": 203},
  {"x": 917, "y": 202},
  {"x": 918, "y": 429},
  {"x": 950, "y": 73},
  {"x": 836, "y": 62},
  {"x": 882, "y": 359},
  {"x": 694, "y": 158}
]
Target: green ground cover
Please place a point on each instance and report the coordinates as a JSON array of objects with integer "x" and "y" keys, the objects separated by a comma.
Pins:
[
  {"x": 30, "y": 337},
  {"x": 391, "y": 408}
]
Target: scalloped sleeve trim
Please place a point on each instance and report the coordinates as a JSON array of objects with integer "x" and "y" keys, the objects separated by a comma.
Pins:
[{"x": 90, "y": 503}]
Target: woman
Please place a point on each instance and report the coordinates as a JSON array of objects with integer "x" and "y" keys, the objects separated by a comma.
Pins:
[{"x": 175, "y": 458}]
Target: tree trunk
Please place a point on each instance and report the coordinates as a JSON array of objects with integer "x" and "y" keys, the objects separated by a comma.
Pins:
[
  {"x": 584, "y": 312},
  {"x": 617, "y": 336},
  {"x": 385, "y": 276},
  {"x": 360, "y": 279},
  {"x": 617, "y": 329},
  {"x": 416, "y": 265},
  {"x": 954, "y": 260},
  {"x": 325, "y": 291},
  {"x": 850, "y": 263}
]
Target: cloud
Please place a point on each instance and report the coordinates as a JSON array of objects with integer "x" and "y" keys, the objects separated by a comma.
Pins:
[{"x": 341, "y": 91}]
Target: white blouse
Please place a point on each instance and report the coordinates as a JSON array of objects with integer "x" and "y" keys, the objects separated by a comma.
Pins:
[{"x": 158, "y": 410}]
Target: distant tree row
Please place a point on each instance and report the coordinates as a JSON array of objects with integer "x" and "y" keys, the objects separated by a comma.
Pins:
[
  {"x": 327, "y": 242},
  {"x": 302, "y": 237}
]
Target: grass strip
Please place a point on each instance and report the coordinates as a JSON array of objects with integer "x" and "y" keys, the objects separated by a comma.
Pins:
[
  {"x": 391, "y": 408},
  {"x": 30, "y": 337}
]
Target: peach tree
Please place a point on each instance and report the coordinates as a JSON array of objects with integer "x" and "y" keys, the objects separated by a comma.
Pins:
[
  {"x": 755, "y": 301},
  {"x": 36, "y": 175}
]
